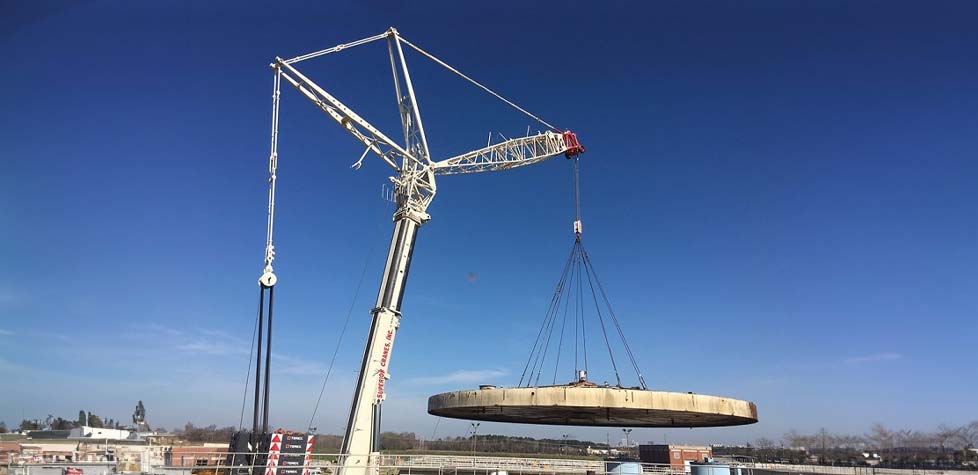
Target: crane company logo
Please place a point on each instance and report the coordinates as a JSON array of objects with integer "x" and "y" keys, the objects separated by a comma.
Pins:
[
  {"x": 385, "y": 354},
  {"x": 381, "y": 380},
  {"x": 381, "y": 373}
]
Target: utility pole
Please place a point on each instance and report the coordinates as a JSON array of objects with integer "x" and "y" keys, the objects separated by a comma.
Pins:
[
  {"x": 475, "y": 429},
  {"x": 627, "y": 445}
]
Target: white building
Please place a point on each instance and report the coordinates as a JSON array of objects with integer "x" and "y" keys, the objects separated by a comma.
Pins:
[{"x": 86, "y": 432}]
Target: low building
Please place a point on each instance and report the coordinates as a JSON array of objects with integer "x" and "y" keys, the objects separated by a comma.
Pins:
[
  {"x": 48, "y": 434},
  {"x": 48, "y": 452},
  {"x": 9, "y": 451},
  {"x": 200, "y": 455},
  {"x": 87, "y": 432},
  {"x": 676, "y": 456}
]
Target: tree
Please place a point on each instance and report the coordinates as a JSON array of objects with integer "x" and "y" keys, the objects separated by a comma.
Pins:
[
  {"x": 95, "y": 421},
  {"x": 82, "y": 418},
  {"x": 951, "y": 437},
  {"x": 3, "y": 427},
  {"x": 764, "y": 443},
  {"x": 61, "y": 424},
  {"x": 30, "y": 425},
  {"x": 206, "y": 434},
  {"x": 799, "y": 441},
  {"x": 970, "y": 434},
  {"x": 824, "y": 441},
  {"x": 398, "y": 440},
  {"x": 880, "y": 437}
]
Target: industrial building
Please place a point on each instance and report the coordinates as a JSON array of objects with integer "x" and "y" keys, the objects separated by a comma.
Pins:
[{"x": 677, "y": 456}]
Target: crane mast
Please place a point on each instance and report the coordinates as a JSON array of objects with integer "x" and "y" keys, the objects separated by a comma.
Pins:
[{"x": 414, "y": 189}]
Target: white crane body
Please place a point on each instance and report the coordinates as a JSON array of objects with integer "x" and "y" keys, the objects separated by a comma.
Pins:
[{"x": 414, "y": 188}]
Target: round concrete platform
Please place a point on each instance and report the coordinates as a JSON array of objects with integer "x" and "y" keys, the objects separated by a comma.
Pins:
[{"x": 580, "y": 405}]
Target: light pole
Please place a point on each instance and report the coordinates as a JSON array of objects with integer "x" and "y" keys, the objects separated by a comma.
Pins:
[
  {"x": 627, "y": 445},
  {"x": 475, "y": 429}
]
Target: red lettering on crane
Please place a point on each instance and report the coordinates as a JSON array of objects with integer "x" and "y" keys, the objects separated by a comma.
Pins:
[
  {"x": 381, "y": 380},
  {"x": 384, "y": 358}
]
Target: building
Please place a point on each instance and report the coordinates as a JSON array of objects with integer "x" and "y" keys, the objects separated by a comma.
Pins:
[
  {"x": 48, "y": 451},
  {"x": 9, "y": 451},
  {"x": 676, "y": 456},
  {"x": 189, "y": 456},
  {"x": 86, "y": 432}
]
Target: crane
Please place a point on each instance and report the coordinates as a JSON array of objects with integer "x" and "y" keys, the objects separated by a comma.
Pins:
[{"x": 414, "y": 186}]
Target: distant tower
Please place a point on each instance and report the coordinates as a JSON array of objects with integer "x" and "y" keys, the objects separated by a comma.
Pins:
[{"x": 139, "y": 418}]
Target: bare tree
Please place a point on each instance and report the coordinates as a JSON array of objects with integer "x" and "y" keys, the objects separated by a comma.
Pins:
[
  {"x": 951, "y": 437},
  {"x": 764, "y": 443},
  {"x": 880, "y": 437},
  {"x": 909, "y": 438},
  {"x": 798, "y": 441},
  {"x": 970, "y": 434}
]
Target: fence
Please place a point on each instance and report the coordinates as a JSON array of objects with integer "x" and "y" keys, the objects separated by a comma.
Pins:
[
  {"x": 409, "y": 464},
  {"x": 211, "y": 462},
  {"x": 829, "y": 470}
]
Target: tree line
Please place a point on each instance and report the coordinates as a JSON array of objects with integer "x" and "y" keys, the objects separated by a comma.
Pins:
[
  {"x": 409, "y": 441},
  {"x": 946, "y": 446},
  {"x": 85, "y": 418},
  {"x": 881, "y": 437},
  {"x": 483, "y": 443}
]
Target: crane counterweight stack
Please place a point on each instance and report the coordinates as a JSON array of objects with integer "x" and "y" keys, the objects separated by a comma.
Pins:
[{"x": 415, "y": 187}]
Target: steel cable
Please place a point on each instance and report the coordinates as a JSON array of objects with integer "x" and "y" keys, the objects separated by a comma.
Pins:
[
  {"x": 563, "y": 325},
  {"x": 251, "y": 354},
  {"x": 346, "y": 322},
  {"x": 543, "y": 325},
  {"x": 476, "y": 83},
  {"x": 601, "y": 320},
  {"x": 621, "y": 334}
]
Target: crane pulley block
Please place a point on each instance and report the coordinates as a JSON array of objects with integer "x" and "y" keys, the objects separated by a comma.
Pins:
[{"x": 573, "y": 146}]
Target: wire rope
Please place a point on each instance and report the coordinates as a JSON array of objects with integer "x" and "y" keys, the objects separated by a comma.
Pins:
[
  {"x": 476, "y": 83},
  {"x": 543, "y": 325},
  {"x": 580, "y": 300},
  {"x": 597, "y": 309},
  {"x": 251, "y": 354},
  {"x": 346, "y": 322},
  {"x": 570, "y": 288},
  {"x": 621, "y": 334},
  {"x": 563, "y": 325}
]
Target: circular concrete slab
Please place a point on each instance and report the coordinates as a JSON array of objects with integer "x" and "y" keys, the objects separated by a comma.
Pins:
[{"x": 579, "y": 405}]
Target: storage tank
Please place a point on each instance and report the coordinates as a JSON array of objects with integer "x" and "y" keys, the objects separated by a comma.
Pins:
[
  {"x": 620, "y": 467},
  {"x": 709, "y": 469}
]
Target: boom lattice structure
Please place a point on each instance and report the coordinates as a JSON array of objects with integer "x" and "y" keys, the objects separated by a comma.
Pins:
[{"x": 414, "y": 189}]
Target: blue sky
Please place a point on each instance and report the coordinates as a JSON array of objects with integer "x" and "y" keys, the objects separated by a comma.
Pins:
[{"x": 779, "y": 197}]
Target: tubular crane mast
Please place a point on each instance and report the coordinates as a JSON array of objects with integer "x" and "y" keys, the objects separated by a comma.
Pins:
[{"x": 414, "y": 189}]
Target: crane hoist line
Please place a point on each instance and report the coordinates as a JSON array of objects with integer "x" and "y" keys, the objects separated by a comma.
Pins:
[{"x": 414, "y": 185}]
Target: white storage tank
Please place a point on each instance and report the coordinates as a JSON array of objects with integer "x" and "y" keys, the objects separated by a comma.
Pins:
[{"x": 698, "y": 468}]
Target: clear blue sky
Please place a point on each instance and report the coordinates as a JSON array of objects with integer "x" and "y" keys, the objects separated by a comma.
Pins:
[{"x": 780, "y": 198}]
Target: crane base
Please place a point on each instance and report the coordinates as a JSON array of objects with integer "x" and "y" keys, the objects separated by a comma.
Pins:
[{"x": 582, "y": 405}]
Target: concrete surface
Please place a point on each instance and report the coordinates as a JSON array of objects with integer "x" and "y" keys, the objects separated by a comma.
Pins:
[{"x": 592, "y": 406}]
